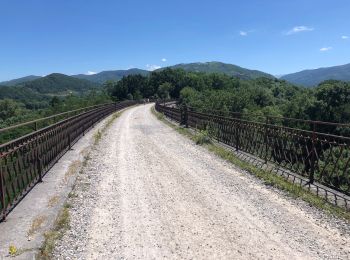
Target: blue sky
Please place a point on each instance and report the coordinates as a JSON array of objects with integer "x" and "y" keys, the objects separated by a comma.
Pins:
[{"x": 76, "y": 36}]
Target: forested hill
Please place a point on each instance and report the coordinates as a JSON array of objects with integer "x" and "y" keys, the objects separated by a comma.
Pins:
[
  {"x": 310, "y": 78},
  {"x": 220, "y": 67},
  {"x": 115, "y": 75},
  {"x": 38, "y": 92},
  {"x": 59, "y": 84},
  {"x": 15, "y": 82}
]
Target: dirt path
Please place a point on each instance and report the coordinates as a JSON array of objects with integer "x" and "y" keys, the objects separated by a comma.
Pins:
[{"x": 149, "y": 193}]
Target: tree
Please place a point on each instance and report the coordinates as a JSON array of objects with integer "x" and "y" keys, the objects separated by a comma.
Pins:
[
  {"x": 9, "y": 108},
  {"x": 164, "y": 90}
]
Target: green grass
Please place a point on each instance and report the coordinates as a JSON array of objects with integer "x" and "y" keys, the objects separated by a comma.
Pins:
[
  {"x": 98, "y": 135},
  {"x": 202, "y": 137},
  {"x": 269, "y": 178},
  {"x": 60, "y": 226}
]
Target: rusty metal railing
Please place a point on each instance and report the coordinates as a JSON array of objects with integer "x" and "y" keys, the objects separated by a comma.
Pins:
[
  {"x": 16, "y": 131},
  {"x": 25, "y": 160},
  {"x": 319, "y": 157}
]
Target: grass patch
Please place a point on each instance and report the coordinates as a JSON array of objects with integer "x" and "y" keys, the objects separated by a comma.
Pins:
[
  {"x": 72, "y": 195},
  {"x": 53, "y": 201},
  {"x": 99, "y": 133},
  {"x": 202, "y": 137},
  {"x": 269, "y": 178},
  {"x": 111, "y": 120},
  {"x": 60, "y": 226},
  {"x": 97, "y": 137},
  {"x": 72, "y": 170},
  {"x": 36, "y": 225}
]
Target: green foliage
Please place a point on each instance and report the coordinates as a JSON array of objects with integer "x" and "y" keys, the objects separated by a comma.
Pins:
[
  {"x": 10, "y": 108},
  {"x": 164, "y": 90},
  {"x": 333, "y": 168},
  {"x": 129, "y": 87},
  {"x": 202, "y": 137}
]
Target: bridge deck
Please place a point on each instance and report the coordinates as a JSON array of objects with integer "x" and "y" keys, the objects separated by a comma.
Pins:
[{"x": 148, "y": 192}]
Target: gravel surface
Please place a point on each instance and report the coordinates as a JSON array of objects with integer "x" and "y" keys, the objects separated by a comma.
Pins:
[{"x": 149, "y": 193}]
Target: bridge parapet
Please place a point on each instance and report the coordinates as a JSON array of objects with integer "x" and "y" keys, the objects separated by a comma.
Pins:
[
  {"x": 25, "y": 160},
  {"x": 321, "y": 161}
]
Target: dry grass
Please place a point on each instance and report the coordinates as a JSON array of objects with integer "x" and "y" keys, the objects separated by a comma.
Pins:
[
  {"x": 72, "y": 170},
  {"x": 36, "y": 225},
  {"x": 60, "y": 226},
  {"x": 53, "y": 201},
  {"x": 98, "y": 135}
]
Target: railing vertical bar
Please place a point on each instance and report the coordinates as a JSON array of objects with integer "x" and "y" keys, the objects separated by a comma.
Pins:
[{"x": 3, "y": 198}]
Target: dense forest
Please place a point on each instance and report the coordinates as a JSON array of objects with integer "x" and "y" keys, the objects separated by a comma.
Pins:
[
  {"x": 14, "y": 112},
  {"x": 329, "y": 101}
]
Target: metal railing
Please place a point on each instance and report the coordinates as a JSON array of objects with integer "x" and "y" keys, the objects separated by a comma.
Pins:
[
  {"x": 319, "y": 157},
  {"x": 16, "y": 131},
  {"x": 25, "y": 160}
]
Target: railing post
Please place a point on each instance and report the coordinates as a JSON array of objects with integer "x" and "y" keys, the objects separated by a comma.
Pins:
[
  {"x": 69, "y": 142},
  {"x": 40, "y": 169},
  {"x": 237, "y": 134},
  {"x": 313, "y": 155},
  {"x": 2, "y": 187},
  {"x": 184, "y": 116},
  {"x": 266, "y": 138}
]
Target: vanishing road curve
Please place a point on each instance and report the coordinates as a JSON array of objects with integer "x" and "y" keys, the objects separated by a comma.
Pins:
[{"x": 149, "y": 193}]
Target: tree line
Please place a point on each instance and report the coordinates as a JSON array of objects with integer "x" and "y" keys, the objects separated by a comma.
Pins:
[{"x": 329, "y": 101}]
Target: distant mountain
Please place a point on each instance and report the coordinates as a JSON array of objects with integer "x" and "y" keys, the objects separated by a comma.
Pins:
[
  {"x": 19, "y": 80},
  {"x": 219, "y": 67},
  {"x": 57, "y": 83},
  {"x": 103, "y": 76},
  {"x": 36, "y": 93},
  {"x": 309, "y": 78}
]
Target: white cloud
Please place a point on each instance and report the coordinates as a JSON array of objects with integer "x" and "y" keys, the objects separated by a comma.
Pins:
[
  {"x": 152, "y": 67},
  {"x": 298, "y": 29},
  {"x": 164, "y": 60},
  {"x": 91, "y": 73},
  {"x": 344, "y": 37},
  {"x": 243, "y": 33},
  {"x": 326, "y": 49}
]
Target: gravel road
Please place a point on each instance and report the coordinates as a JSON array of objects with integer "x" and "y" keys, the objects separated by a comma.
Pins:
[{"x": 149, "y": 193}]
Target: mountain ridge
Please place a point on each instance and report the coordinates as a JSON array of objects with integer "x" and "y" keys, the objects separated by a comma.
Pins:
[
  {"x": 14, "y": 82},
  {"x": 206, "y": 67},
  {"x": 313, "y": 77},
  {"x": 103, "y": 76},
  {"x": 220, "y": 67}
]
